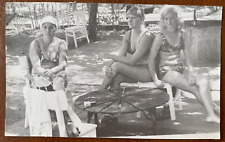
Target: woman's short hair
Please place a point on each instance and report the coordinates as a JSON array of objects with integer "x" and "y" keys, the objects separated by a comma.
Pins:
[
  {"x": 173, "y": 9},
  {"x": 137, "y": 11}
]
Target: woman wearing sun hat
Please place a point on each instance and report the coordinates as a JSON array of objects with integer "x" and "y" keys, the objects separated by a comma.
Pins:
[{"x": 48, "y": 55}]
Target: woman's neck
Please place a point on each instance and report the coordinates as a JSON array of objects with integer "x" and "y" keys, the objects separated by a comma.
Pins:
[
  {"x": 172, "y": 30},
  {"x": 47, "y": 40},
  {"x": 139, "y": 30}
]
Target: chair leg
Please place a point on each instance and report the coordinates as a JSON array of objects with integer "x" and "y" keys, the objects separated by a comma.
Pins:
[
  {"x": 61, "y": 121},
  {"x": 171, "y": 102},
  {"x": 74, "y": 118},
  {"x": 87, "y": 36},
  {"x": 67, "y": 39},
  {"x": 75, "y": 40},
  {"x": 178, "y": 99},
  {"x": 26, "y": 124}
]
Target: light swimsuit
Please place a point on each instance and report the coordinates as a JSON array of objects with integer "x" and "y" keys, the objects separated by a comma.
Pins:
[
  {"x": 166, "y": 47},
  {"x": 45, "y": 82}
]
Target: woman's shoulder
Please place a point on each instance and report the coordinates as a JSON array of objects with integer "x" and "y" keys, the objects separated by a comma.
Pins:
[
  {"x": 159, "y": 35},
  {"x": 35, "y": 44},
  {"x": 62, "y": 43},
  {"x": 148, "y": 35},
  {"x": 127, "y": 34}
]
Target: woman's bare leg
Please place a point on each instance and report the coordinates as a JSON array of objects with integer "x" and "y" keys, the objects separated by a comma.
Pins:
[
  {"x": 119, "y": 79},
  {"x": 59, "y": 85},
  {"x": 106, "y": 82},
  {"x": 200, "y": 91},
  {"x": 137, "y": 73},
  {"x": 204, "y": 89}
]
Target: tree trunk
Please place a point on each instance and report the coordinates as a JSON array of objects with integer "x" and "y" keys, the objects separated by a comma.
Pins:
[
  {"x": 113, "y": 16},
  {"x": 92, "y": 26}
]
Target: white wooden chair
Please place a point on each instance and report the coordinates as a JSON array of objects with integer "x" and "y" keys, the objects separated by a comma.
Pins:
[
  {"x": 175, "y": 103},
  {"x": 79, "y": 30},
  {"x": 39, "y": 102}
]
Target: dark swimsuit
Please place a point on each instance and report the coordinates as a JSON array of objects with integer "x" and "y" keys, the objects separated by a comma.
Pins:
[
  {"x": 167, "y": 47},
  {"x": 130, "y": 51}
]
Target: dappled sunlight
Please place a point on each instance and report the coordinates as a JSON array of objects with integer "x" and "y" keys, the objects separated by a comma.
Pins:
[
  {"x": 14, "y": 71},
  {"x": 80, "y": 57},
  {"x": 193, "y": 113},
  {"x": 115, "y": 52},
  {"x": 70, "y": 61},
  {"x": 74, "y": 68},
  {"x": 100, "y": 63},
  {"x": 176, "y": 123},
  {"x": 85, "y": 78},
  {"x": 184, "y": 103}
]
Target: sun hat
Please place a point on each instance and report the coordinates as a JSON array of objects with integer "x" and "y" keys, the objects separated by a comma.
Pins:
[{"x": 48, "y": 19}]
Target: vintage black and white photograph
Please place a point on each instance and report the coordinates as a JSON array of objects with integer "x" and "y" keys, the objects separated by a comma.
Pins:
[{"x": 112, "y": 70}]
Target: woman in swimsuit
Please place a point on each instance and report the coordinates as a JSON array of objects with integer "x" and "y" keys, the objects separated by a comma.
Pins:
[
  {"x": 48, "y": 55},
  {"x": 131, "y": 63},
  {"x": 167, "y": 47}
]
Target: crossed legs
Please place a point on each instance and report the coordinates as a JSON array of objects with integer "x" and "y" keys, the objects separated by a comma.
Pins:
[
  {"x": 200, "y": 90},
  {"x": 125, "y": 73}
]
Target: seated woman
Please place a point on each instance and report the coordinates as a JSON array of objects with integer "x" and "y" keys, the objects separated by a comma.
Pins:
[
  {"x": 48, "y": 55},
  {"x": 131, "y": 63},
  {"x": 167, "y": 47}
]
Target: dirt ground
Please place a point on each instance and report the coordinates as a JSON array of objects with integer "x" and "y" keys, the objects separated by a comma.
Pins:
[{"x": 84, "y": 72}]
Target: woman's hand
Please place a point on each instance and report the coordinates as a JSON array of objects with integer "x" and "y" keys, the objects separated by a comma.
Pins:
[
  {"x": 191, "y": 80},
  {"x": 159, "y": 83},
  {"x": 48, "y": 72},
  {"x": 109, "y": 71}
]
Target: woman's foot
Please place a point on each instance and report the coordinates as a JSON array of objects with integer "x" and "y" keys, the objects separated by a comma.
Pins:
[
  {"x": 216, "y": 109},
  {"x": 213, "y": 119}
]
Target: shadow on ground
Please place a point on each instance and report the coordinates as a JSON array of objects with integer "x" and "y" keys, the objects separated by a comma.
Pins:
[{"x": 85, "y": 74}]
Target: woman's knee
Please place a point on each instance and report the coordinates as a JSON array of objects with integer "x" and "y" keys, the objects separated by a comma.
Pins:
[
  {"x": 169, "y": 77},
  {"x": 58, "y": 83},
  {"x": 201, "y": 81},
  {"x": 180, "y": 81},
  {"x": 116, "y": 67},
  {"x": 119, "y": 78}
]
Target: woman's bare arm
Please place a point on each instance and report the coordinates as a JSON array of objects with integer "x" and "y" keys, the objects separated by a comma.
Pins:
[
  {"x": 35, "y": 59},
  {"x": 124, "y": 47},
  {"x": 62, "y": 58},
  {"x": 145, "y": 44},
  {"x": 152, "y": 57},
  {"x": 187, "y": 54},
  {"x": 187, "y": 51}
]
